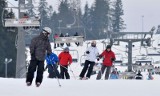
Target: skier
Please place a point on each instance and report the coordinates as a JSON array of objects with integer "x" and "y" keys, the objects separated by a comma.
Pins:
[
  {"x": 61, "y": 35},
  {"x": 150, "y": 77},
  {"x": 108, "y": 58},
  {"x": 91, "y": 53},
  {"x": 158, "y": 29},
  {"x": 139, "y": 76},
  {"x": 114, "y": 74},
  {"x": 65, "y": 60},
  {"x": 55, "y": 37},
  {"x": 52, "y": 65},
  {"x": 40, "y": 46}
]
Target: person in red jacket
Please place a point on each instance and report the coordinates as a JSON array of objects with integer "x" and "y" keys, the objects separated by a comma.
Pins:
[
  {"x": 108, "y": 58},
  {"x": 65, "y": 59}
]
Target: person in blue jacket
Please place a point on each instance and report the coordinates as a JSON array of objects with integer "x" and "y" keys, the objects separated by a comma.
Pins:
[
  {"x": 52, "y": 65},
  {"x": 114, "y": 74}
]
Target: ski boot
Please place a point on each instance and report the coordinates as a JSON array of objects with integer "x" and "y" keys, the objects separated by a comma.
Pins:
[{"x": 38, "y": 84}]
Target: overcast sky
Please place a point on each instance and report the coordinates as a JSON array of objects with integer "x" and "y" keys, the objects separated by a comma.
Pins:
[{"x": 139, "y": 15}]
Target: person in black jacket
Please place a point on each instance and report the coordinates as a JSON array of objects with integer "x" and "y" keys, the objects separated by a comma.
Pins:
[
  {"x": 139, "y": 76},
  {"x": 61, "y": 35},
  {"x": 77, "y": 43},
  {"x": 40, "y": 46}
]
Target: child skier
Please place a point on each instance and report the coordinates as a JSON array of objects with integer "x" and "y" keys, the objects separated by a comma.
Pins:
[{"x": 52, "y": 65}]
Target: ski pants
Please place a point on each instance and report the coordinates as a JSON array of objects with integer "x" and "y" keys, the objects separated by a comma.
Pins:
[
  {"x": 87, "y": 66},
  {"x": 102, "y": 71},
  {"x": 35, "y": 65},
  {"x": 64, "y": 72},
  {"x": 53, "y": 72}
]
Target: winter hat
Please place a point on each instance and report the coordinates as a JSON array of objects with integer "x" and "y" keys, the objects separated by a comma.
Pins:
[
  {"x": 108, "y": 47},
  {"x": 66, "y": 49}
]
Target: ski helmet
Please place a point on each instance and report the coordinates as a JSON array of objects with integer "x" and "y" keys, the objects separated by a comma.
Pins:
[{"x": 47, "y": 30}]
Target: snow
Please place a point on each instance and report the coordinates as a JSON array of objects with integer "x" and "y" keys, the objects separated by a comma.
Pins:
[
  {"x": 17, "y": 87},
  {"x": 91, "y": 87}
]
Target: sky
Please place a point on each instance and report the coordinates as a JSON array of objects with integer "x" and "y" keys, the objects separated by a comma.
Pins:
[
  {"x": 138, "y": 11},
  {"x": 139, "y": 15}
]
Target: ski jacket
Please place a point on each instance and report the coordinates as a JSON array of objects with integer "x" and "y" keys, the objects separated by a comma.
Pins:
[
  {"x": 65, "y": 58},
  {"x": 39, "y": 46},
  {"x": 114, "y": 76},
  {"x": 92, "y": 54},
  {"x": 52, "y": 59},
  {"x": 150, "y": 77},
  {"x": 108, "y": 56}
]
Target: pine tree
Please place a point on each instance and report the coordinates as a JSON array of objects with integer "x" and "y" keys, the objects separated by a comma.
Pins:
[
  {"x": 86, "y": 17},
  {"x": 7, "y": 46},
  {"x": 31, "y": 12},
  {"x": 55, "y": 22},
  {"x": 66, "y": 15},
  {"x": 87, "y": 21},
  {"x": 100, "y": 17},
  {"x": 43, "y": 9},
  {"x": 118, "y": 22}
]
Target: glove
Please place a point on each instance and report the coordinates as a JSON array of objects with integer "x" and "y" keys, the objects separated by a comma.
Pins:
[
  {"x": 69, "y": 64},
  {"x": 48, "y": 54},
  {"x": 87, "y": 52},
  {"x": 99, "y": 56},
  {"x": 112, "y": 59},
  {"x": 57, "y": 63}
]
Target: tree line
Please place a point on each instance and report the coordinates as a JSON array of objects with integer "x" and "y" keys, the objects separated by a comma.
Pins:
[{"x": 94, "y": 22}]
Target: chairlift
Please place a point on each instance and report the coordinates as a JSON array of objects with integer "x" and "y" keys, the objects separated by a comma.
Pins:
[
  {"x": 70, "y": 39},
  {"x": 143, "y": 59},
  {"x": 26, "y": 22},
  {"x": 155, "y": 53},
  {"x": 119, "y": 59}
]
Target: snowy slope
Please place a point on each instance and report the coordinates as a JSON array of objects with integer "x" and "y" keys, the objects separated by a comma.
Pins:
[
  {"x": 91, "y": 87},
  {"x": 49, "y": 87}
]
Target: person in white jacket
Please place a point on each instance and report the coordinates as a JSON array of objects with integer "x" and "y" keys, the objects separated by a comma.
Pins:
[{"x": 91, "y": 55}]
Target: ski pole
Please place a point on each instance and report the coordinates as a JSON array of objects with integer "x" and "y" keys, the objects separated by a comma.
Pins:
[
  {"x": 70, "y": 70},
  {"x": 57, "y": 77},
  {"x": 59, "y": 84}
]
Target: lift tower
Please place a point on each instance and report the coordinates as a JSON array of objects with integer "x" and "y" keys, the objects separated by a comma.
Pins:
[
  {"x": 21, "y": 23},
  {"x": 130, "y": 38}
]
